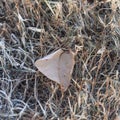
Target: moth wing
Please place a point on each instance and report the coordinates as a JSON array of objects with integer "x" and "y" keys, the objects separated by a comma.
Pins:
[
  {"x": 48, "y": 65},
  {"x": 66, "y": 65}
]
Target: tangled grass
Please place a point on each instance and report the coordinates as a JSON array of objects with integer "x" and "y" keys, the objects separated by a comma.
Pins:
[{"x": 30, "y": 29}]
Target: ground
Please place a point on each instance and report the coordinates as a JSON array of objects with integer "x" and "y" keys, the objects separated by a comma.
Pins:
[{"x": 32, "y": 29}]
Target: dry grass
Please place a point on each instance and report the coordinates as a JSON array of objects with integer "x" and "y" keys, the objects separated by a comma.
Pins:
[{"x": 30, "y": 29}]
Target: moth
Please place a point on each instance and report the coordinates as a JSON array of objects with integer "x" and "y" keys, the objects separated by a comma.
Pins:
[{"x": 58, "y": 66}]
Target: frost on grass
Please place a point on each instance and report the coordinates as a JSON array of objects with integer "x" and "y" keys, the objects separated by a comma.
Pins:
[{"x": 31, "y": 29}]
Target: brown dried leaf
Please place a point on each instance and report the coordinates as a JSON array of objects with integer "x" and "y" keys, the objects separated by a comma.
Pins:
[{"x": 58, "y": 67}]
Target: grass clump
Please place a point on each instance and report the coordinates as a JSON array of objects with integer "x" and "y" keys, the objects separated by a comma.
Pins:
[{"x": 31, "y": 29}]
